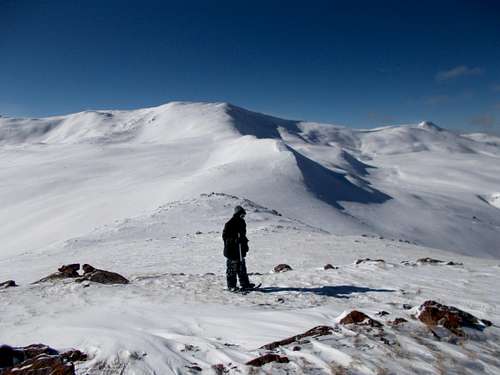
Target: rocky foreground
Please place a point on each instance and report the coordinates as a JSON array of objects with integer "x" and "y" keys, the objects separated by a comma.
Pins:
[{"x": 429, "y": 325}]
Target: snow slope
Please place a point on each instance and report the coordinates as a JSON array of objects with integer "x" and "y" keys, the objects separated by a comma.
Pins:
[
  {"x": 64, "y": 175},
  {"x": 175, "y": 314}
]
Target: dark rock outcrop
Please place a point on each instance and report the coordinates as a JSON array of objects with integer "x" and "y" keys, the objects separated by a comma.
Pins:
[
  {"x": 219, "y": 369},
  {"x": 90, "y": 273},
  {"x": 359, "y": 318},
  {"x": 437, "y": 261},
  {"x": 314, "y": 332},
  {"x": 433, "y": 313},
  {"x": 429, "y": 261},
  {"x": 74, "y": 355},
  {"x": 70, "y": 270},
  {"x": 194, "y": 367},
  {"x": 64, "y": 272},
  {"x": 282, "y": 268},
  {"x": 8, "y": 284},
  {"x": 38, "y": 359},
  {"x": 452, "y": 263},
  {"x": 34, "y": 350},
  {"x": 330, "y": 267},
  {"x": 398, "y": 321},
  {"x": 42, "y": 364},
  {"x": 101, "y": 276},
  {"x": 9, "y": 356},
  {"x": 368, "y": 260},
  {"x": 267, "y": 358}
]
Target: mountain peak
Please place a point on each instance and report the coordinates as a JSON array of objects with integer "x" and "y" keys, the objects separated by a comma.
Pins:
[{"x": 428, "y": 125}]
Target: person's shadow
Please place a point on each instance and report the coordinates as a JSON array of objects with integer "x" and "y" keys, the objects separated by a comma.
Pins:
[{"x": 339, "y": 291}]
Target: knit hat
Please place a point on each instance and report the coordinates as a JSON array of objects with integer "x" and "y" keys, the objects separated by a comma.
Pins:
[{"x": 238, "y": 210}]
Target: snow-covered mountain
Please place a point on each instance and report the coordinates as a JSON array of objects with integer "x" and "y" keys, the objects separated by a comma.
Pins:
[
  {"x": 146, "y": 193},
  {"x": 62, "y": 176}
]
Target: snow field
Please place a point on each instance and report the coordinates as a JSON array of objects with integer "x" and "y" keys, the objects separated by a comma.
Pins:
[{"x": 176, "y": 312}]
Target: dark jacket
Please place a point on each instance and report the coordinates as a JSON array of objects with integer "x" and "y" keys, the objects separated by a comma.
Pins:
[{"x": 234, "y": 236}]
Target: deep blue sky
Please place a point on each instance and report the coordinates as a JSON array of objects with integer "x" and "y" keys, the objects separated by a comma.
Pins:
[{"x": 355, "y": 63}]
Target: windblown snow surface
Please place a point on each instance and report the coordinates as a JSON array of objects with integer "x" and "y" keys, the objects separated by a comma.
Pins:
[{"x": 132, "y": 192}]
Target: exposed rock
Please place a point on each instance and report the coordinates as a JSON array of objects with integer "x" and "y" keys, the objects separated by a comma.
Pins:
[
  {"x": 42, "y": 364},
  {"x": 192, "y": 348},
  {"x": 38, "y": 359},
  {"x": 314, "y": 332},
  {"x": 87, "y": 268},
  {"x": 7, "y": 284},
  {"x": 382, "y": 313},
  {"x": 437, "y": 261},
  {"x": 101, "y": 276},
  {"x": 407, "y": 306},
  {"x": 74, "y": 356},
  {"x": 433, "y": 313},
  {"x": 70, "y": 270},
  {"x": 267, "y": 358},
  {"x": 398, "y": 321},
  {"x": 359, "y": 318},
  {"x": 429, "y": 260},
  {"x": 282, "y": 268},
  {"x": 487, "y": 323},
  {"x": 194, "y": 367},
  {"x": 34, "y": 350},
  {"x": 10, "y": 356},
  {"x": 219, "y": 369},
  {"x": 296, "y": 348},
  {"x": 330, "y": 267},
  {"x": 64, "y": 272},
  {"x": 368, "y": 260}
]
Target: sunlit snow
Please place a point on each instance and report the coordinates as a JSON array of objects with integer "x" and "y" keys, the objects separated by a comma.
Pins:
[{"x": 146, "y": 193}]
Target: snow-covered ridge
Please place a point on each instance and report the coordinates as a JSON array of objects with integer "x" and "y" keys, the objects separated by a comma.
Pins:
[
  {"x": 484, "y": 138},
  {"x": 178, "y": 120},
  {"x": 159, "y": 124},
  {"x": 62, "y": 176}
]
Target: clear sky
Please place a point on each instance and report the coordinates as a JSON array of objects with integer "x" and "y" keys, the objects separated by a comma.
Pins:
[{"x": 353, "y": 63}]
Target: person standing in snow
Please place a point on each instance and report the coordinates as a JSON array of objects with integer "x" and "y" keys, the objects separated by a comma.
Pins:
[{"x": 235, "y": 240}]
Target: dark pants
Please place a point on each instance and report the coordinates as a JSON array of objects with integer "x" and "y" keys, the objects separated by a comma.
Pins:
[{"x": 236, "y": 268}]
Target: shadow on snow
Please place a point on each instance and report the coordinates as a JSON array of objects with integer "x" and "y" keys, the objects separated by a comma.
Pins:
[{"x": 339, "y": 291}]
